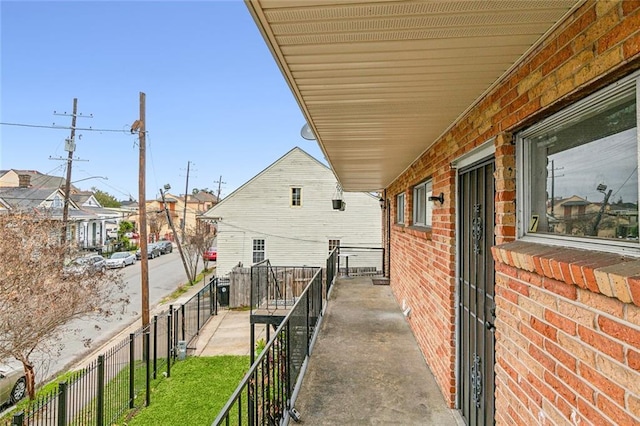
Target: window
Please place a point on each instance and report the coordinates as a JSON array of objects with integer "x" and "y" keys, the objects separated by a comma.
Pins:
[
  {"x": 421, "y": 204},
  {"x": 580, "y": 170},
  {"x": 57, "y": 203},
  {"x": 296, "y": 197},
  {"x": 258, "y": 251},
  {"x": 400, "y": 208},
  {"x": 333, "y": 244}
]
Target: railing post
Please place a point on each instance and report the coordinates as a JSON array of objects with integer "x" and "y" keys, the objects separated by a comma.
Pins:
[
  {"x": 132, "y": 368},
  {"x": 155, "y": 347},
  {"x": 198, "y": 324},
  {"x": 62, "y": 404},
  {"x": 100, "y": 396},
  {"x": 182, "y": 314},
  {"x": 18, "y": 419},
  {"x": 148, "y": 370},
  {"x": 169, "y": 332},
  {"x": 308, "y": 331}
]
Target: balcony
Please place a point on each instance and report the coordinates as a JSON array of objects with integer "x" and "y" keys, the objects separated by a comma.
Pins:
[{"x": 340, "y": 351}]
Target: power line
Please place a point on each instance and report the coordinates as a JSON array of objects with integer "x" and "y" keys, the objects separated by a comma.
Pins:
[{"x": 89, "y": 129}]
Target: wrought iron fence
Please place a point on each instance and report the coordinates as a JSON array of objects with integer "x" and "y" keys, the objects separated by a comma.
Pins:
[
  {"x": 265, "y": 393},
  {"x": 278, "y": 287},
  {"x": 119, "y": 379}
]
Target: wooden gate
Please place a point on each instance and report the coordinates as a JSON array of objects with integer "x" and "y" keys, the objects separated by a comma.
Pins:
[{"x": 476, "y": 307}]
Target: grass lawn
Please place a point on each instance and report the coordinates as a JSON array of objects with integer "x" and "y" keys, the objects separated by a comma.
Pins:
[{"x": 195, "y": 393}]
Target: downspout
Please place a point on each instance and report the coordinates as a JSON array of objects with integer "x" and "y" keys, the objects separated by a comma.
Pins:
[{"x": 388, "y": 248}]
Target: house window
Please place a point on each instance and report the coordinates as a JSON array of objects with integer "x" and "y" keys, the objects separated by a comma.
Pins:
[
  {"x": 333, "y": 244},
  {"x": 296, "y": 197},
  {"x": 400, "y": 208},
  {"x": 421, "y": 205},
  {"x": 56, "y": 203},
  {"x": 258, "y": 251},
  {"x": 579, "y": 178}
]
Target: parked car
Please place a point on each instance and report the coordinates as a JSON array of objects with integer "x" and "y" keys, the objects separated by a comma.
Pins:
[
  {"x": 153, "y": 251},
  {"x": 211, "y": 254},
  {"x": 13, "y": 384},
  {"x": 93, "y": 263},
  {"x": 165, "y": 246},
  {"x": 121, "y": 259}
]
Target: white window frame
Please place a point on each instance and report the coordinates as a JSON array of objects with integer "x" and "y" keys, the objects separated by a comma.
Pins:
[
  {"x": 524, "y": 179},
  {"x": 255, "y": 251},
  {"x": 292, "y": 198},
  {"x": 421, "y": 194},
  {"x": 400, "y": 206}
]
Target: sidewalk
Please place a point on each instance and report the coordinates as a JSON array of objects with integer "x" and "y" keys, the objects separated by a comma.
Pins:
[{"x": 228, "y": 333}]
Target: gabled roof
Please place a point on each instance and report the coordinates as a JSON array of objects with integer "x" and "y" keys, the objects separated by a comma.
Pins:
[
  {"x": 29, "y": 198},
  {"x": 39, "y": 180},
  {"x": 273, "y": 165},
  {"x": 85, "y": 199},
  {"x": 202, "y": 197}
]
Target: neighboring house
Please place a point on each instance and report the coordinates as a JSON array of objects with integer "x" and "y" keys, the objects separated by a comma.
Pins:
[
  {"x": 87, "y": 219},
  {"x": 285, "y": 214},
  {"x": 482, "y": 102}
]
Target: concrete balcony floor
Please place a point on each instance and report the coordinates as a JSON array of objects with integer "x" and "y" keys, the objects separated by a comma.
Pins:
[{"x": 366, "y": 367}]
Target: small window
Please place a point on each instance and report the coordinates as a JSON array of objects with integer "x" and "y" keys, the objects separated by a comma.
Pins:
[
  {"x": 333, "y": 244},
  {"x": 400, "y": 208},
  {"x": 296, "y": 197},
  {"x": 258, "y": 251},
  {"x": 421, "y": 205},
  {"x": 580, "y": 178}
]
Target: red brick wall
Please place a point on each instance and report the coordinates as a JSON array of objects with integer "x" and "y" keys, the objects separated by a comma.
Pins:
[{"x": 594, "y": 47}]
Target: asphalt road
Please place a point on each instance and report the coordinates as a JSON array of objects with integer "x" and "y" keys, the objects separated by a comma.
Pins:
[{"x": 166, "y": 273}]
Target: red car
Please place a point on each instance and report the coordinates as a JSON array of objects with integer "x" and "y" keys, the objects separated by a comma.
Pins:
[{"x": 211, "y": 254}]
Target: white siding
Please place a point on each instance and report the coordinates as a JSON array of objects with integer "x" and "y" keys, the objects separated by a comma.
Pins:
[{"x": 294, "y": 236}]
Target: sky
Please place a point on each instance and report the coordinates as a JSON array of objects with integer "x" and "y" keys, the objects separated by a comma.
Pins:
[{"x": 215, "y": 98}]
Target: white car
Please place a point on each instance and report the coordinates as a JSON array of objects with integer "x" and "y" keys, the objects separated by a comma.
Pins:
[{"x": 121, "y": 259}]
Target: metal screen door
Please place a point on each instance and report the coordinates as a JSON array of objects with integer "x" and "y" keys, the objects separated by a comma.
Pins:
[{"x": 476, "y": 307}]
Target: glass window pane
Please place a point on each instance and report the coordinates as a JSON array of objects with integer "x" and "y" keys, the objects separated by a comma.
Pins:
[{"x": 584, "y": 173}]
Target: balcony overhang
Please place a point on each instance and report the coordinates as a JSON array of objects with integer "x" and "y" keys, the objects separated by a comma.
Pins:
[{"x": 380, "y": 81}]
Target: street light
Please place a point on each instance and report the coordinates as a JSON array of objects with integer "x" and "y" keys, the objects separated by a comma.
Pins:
[{"x": 91, "y": 177}]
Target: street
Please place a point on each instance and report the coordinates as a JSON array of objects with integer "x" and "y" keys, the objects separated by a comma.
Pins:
[{"x": 166, "y": 273}]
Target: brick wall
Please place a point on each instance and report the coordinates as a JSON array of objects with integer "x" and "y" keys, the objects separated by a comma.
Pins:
[{"x": 593, "y": 48}]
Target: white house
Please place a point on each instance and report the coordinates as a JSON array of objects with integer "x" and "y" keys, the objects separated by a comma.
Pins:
[{"x": 285, "y": 214}]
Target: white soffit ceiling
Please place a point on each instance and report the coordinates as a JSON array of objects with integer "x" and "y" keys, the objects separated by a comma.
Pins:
[{"x": 380, "y": 81}]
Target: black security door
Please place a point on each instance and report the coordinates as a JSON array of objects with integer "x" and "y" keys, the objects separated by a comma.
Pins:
[{"x": 476, "y": 298}]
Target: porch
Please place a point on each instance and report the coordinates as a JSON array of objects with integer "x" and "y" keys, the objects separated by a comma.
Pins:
[
  {"x": 341, "y": 352},
  {"x": 366, "y": 367}
]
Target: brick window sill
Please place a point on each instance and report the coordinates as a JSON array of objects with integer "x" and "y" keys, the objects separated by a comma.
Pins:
[{"x": 610, "y": 274}]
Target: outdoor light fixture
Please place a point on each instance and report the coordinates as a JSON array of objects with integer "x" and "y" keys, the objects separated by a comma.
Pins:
[
  {"x": 437, "y": 198},
  {"x": 167, "y": 187},
  {"x": 381, "y": 201},
  {"x": 601, "y": 187}
]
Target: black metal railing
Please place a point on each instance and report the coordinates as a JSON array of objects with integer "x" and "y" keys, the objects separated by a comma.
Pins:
[
  {"x": 119, "y": 379},
  {"x": 278, "y": 287},
  {"x": 265, "y": 393},
  {"x": 332, "y": 269},
  {"x": 361, "y": 261}
]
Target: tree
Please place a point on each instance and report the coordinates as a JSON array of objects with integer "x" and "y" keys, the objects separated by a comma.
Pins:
[
  {"x": 40, "y": 295},
  {"x": 197, "y": 240},
  {"x": 156, "y": 221},
  {"x": 105, "y": 199}
]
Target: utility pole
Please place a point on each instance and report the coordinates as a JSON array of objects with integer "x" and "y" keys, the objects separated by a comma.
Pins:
[
  {"x": 70, "y": 147},
  {"x": 186, "y": 194},
  {"x": 140, "y": 126},
  {"x": 173, "y": 229},
  {"x": 219, "y": 182},
  {"x": 553, "y": 184}
]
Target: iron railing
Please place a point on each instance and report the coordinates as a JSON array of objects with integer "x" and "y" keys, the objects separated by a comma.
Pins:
[
  {"x": 278, "y": 287},
  {"x": 355, "y": 260},
  {"x": 119, "y": 379},
  {"x": 264, "y": 396}
]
